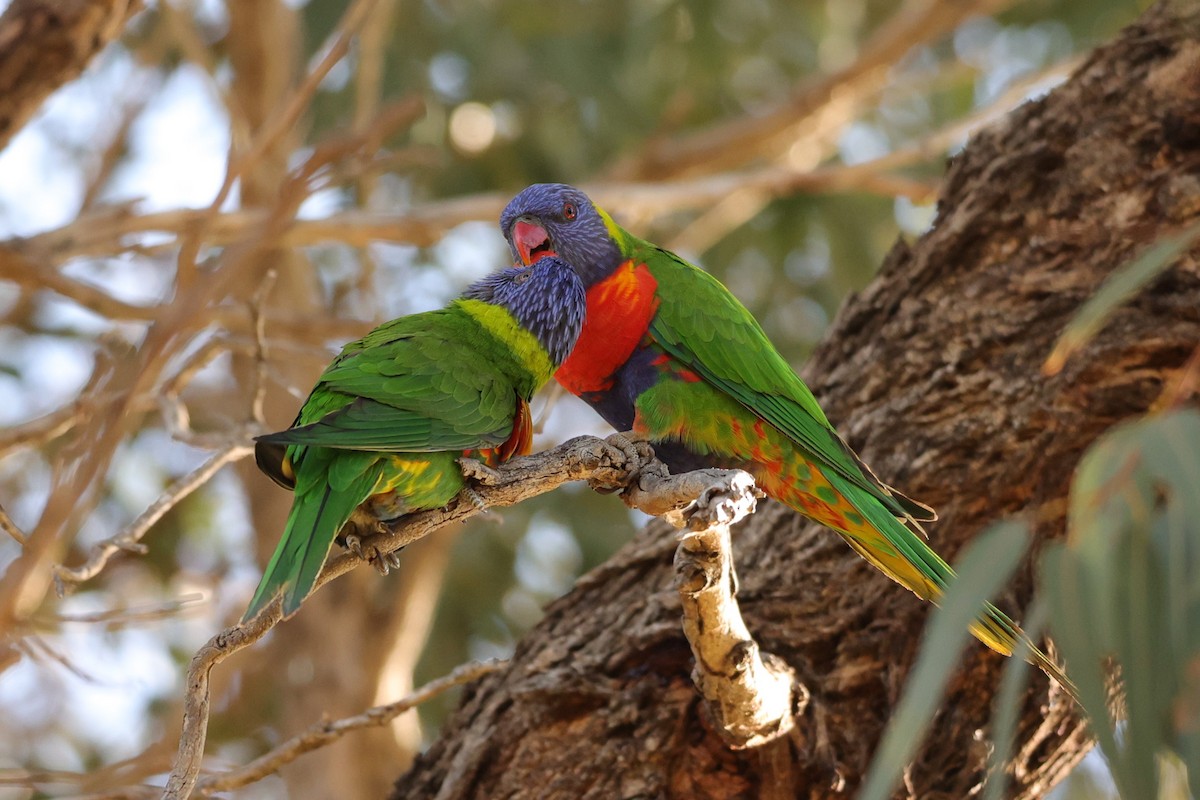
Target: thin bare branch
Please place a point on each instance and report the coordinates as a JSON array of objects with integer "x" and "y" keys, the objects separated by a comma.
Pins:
[
  {"x": 38, "y": 781},
  {"x": 293, "y": 336},
  {"x": 335, "y": 48},
  {"x": 612, "y": 464},
  {"x": 130, "y": 539},
  {"x": 112, "y": 618},
  {"x": 728, "y": 213},
  {"x": 368, "y": 80},
  {"x": 38, "y": 431},
  {"x": 110, "y": 155},
  {"x": 11, "y": 528},
  {"x": 427, "y": 223},
  {"x": 29, "y": 268},
  {"x": 37, "y": 648},
  {"x": 326, "y": 732},
  {"x": 257, "y": 304},
  {"x": 180, "y": 321}
]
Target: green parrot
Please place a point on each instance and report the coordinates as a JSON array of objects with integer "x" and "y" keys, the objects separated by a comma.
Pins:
[
  {"x": 381, "y": 432},
  {"x": 668, "y": 352}
]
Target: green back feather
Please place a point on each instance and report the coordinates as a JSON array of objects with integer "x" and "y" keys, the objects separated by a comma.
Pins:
[{"x": 442, "y": 381}]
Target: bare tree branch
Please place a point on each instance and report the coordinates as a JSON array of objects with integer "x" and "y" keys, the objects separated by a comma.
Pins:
[
  {"x": 735, "y": 209},
  {"x": 749, "y": 693},
  {"x": 260, "y": 347},
  {"x": 325, "y": 732},
  {"x": 43, "y": 429},
  {"x": 113, "y": 618},
  {"x": 11, "y": 528},
  {"x": 427, "y": 223},
  {"x": 130, "y": 538},
  {"x": 732, "y": 143}
]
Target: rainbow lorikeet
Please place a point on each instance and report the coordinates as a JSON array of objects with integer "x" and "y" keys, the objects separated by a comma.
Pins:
[
  {"x": 380, "y": 434},
  {"x": 669, "y": 353}
]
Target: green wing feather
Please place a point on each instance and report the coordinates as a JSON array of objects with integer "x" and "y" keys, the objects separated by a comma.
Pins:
[
  {"x": 395, "y": 391},
  {"x": 426, "y": 383},
  {"x": 716, "y": 337}
]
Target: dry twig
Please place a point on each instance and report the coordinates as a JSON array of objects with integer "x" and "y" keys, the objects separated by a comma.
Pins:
[
  {"x": 130, "y": 539},
  {"x": 114, "y": 618},
  {"x": 11, "y": 528},
  {"x": 732, "y": 143},
  {"x": 320, "y": 734}
]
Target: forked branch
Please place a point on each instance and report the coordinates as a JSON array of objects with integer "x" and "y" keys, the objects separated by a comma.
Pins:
[{"x": 616, "y": 464}]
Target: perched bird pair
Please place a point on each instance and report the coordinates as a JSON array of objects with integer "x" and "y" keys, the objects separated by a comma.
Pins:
[{"x": 664, "y": 350}]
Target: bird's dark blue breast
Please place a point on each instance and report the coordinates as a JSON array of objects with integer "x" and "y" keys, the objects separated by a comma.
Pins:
[{"x": 616, "y": 405}]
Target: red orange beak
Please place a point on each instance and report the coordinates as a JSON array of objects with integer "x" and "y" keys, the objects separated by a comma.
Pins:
[{"x": 531, "y": 240}]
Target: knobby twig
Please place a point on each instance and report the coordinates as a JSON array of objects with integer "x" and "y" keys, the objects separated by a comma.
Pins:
[
  {"x": 260, "y": 346},
  {"x": 325, "y": 732},
  {"x": 612, "y": 464},
  {"x": 130, "y": 538},
  {"x": 748, "y": 693},
  {"x": 11, "y": 528}
]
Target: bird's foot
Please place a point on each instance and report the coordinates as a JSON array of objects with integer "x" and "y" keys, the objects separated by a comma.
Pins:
[
  {"x": 475, "y": 499},
  {"x": 353, "y": 543},
  {"x": 386, "y": 562},
  {"x": 480, "y": 473},
  {"x": 382, "y": 562},
  {"x": 636, "y": 453},
  {"x": 475, "y": 470}
]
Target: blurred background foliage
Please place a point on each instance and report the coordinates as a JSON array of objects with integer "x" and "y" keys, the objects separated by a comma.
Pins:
[{"x": 513, "y": 92}]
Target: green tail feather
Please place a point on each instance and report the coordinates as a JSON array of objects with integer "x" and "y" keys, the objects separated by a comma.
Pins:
[
  {"x": 994, "y": 628},
  {"x": 316, "y": 518},
  {"x": 1001, "y": 628}
]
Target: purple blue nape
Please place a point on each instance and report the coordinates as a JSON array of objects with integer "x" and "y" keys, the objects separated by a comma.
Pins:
[
  {"x": 547, "y": 299},
  {"x": 486, "y": 288}
]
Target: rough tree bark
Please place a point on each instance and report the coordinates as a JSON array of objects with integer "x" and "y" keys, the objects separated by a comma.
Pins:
[
  {"x": 933, "y": 373},
  {"x": 44, "y": 44}
]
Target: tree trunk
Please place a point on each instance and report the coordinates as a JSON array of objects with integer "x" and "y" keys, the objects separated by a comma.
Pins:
[
  {"x": 44, "y": 44},
  {"x": 934, "y": 374}
]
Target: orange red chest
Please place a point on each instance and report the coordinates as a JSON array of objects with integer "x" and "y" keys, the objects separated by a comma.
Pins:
[{"x": 619, "y": 311}]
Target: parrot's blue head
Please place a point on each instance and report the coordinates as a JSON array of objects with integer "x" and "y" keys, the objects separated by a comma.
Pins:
[
  {"x": 546, "y": 298},
  {"x": 556, "y": 219}
]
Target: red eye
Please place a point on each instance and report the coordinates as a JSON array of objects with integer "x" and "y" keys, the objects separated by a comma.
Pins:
[{"x": 569, "y": 210}]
